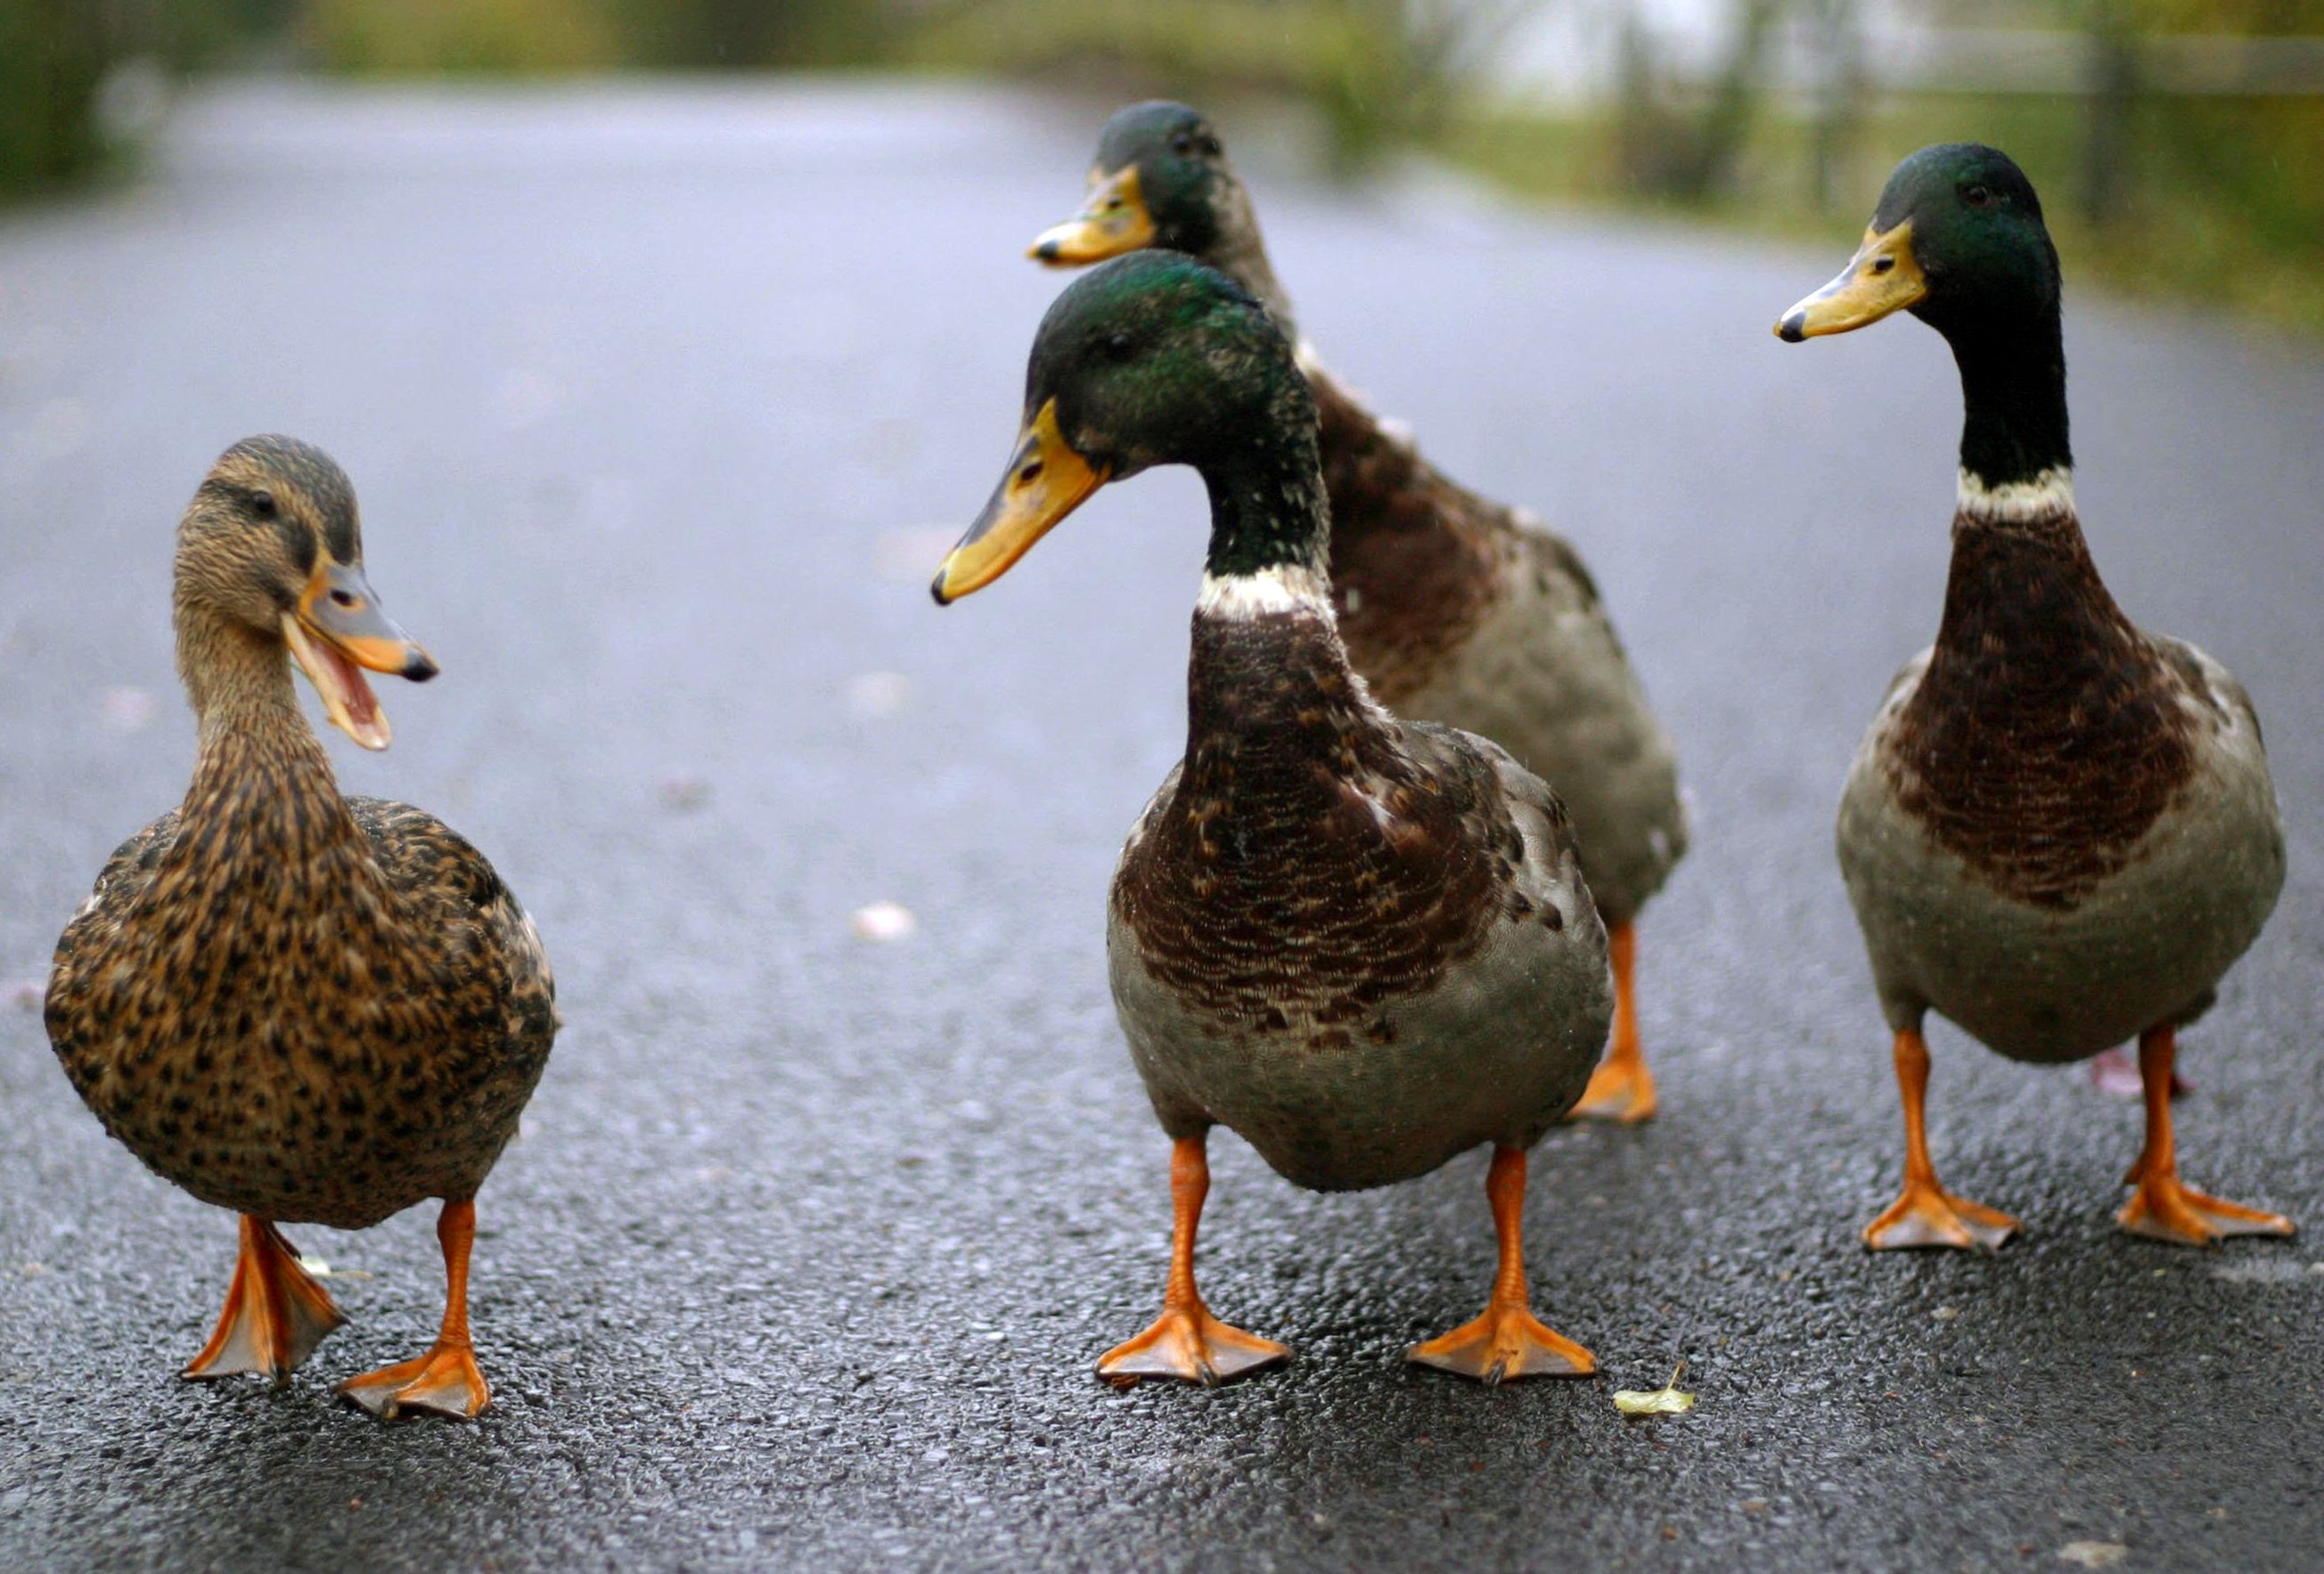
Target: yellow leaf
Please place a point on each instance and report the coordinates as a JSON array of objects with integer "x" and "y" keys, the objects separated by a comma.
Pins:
[{"x": 1667, "y": 1400}]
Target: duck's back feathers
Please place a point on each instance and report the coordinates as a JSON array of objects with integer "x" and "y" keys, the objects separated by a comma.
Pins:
[{"x": 1459, "y": 610}]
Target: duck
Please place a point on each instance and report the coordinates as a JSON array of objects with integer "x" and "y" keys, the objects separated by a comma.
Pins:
[
  {"x": 1455, "y": 609},
  {"x": 1364, "y": 944},
  {"x": 295, "y": 1005},
  {"x": 2060, "y": 831}
]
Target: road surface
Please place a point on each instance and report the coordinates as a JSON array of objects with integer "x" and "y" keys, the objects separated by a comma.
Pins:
[{"x": 662, "y": 405}]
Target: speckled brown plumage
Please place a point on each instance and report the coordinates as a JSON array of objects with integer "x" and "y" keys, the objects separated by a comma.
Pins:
[
  {"x": 1300, "y": 811},
  {"x": 2048, "y": 732},
  {"x": 302, "y": 1007},
  {"x": 1364, "y": 944},
  {"x": 296, "y": 1005}
]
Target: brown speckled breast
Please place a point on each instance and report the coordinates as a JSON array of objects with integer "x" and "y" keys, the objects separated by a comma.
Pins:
[
  {"x": 300, "y": 1007},
  {"x": 2048, "y": 732},
  {"x": 1274, "y": 829}
]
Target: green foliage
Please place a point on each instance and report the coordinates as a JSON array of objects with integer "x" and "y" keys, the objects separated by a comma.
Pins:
[
  {"x": 1380, "y": 72},
  {"x": 2224, "y": 207},
  {"x": 53, "y": 55},
  {"x": 504, "y": 36}
]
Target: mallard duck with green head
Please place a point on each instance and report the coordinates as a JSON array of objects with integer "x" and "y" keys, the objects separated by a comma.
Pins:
[
  {"x": 1455, "y": 609},
  {"x": 1364, "y": 944},
  {"x": 2060, "y": 831},
  {"x": 300, "y": 1006}
]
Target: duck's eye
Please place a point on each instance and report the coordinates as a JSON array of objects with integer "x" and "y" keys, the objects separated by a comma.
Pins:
[
  {"x": 262, "y": 504},
  {"x": 346, "y": 598},
  {"x": 1978, "y": 197},
  {"x": 1119, "y": 346},
  {"x": 1183, "y": 143}
]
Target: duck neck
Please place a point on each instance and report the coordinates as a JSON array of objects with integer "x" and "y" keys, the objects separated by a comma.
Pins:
[
  {"x": 1269, "y": 689},
  {"x": 2022, "y": 580},
  {"x": 2026, "y": 612},
  {"x": 2013, "y": 377},
  {"x": 1227, "y": 238},
  {"x": 256, "y": 753},
  {"x": 1242, "y": 256},
  {"x": 1268, "y": 516}
]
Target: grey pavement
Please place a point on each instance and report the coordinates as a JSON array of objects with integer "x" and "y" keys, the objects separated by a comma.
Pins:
[{"x": 662, "y": 405}]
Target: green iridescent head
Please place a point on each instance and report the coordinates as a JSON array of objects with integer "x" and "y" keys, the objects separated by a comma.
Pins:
[
  {"x": 1957, "y": 239},
  {"x": 1161, "y": 180},
  {"x": 1151, "y": 359}
]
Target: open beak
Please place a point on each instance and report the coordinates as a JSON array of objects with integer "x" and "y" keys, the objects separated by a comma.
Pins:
[
  {"x": 336, "y": 630},
  {"x": 1882, "y": 277},
  {"x": 1113, "y": 220},
  {"x": 1046, "y": 481}
]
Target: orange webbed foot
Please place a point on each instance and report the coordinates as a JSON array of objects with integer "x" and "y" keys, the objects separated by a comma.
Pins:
[
  {"x": 1508, "y": 1341},
  {"x": 275, "y": 1313},
  {"x": 1190, "y": 1344},
  {"x": 1930, "y": 1216},
  {"x": 1620, "y": 1090},
  {"x": 445, "y": 1381},
  {"x": 2164, "y": 1209}
]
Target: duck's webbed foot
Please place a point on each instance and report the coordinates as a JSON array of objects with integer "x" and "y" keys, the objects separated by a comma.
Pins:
[
  {"x": 275, "y": 1312},
  {"x": 1507, "y": 1340},
  {"x": 2168, "y": 1210},
  {"x": 2164, "y": 1207},
  {"x": 1927, "y": 1214},
  {"x": 1186, "y": 1341},
  {"x": 1621, "y": 1088},
  {"x": 446, "y": 1380}
]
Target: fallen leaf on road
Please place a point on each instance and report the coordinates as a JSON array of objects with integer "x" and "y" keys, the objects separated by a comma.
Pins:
[
  {"x": 1667, "y": 1400},
  {"x": 2093, "y": 1554}
]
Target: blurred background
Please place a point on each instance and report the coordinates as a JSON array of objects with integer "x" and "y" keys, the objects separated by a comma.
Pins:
[{"x": 2195, "y": 127}]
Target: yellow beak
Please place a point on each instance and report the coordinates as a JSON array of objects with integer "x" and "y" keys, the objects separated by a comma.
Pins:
[
  {"x": 1046, "y": 480},
  {"x": 1882, "y": 277},
  {"x": 336, "y": 630},
  {"x": 1113, "y": 220}
]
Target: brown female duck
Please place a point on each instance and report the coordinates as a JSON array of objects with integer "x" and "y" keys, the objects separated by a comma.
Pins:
[
  {"x": 1365, "y": 944},
  {"x": 300, "y": 1006},
  {"x": 1455, "y": 609}
]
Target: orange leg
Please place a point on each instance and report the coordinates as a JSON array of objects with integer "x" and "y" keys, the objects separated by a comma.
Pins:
[
  {"x": 1186, "y": 1341},
  {"x": 1927, "y": 1214},
  {"x": 444, "y": 1380},
  {"x": 1621, "y": 1088},
  {"x": 275, "y": 1313},
  {"x": 2161, "y": 1206},
  {"x": 1507, "y": 1340}
]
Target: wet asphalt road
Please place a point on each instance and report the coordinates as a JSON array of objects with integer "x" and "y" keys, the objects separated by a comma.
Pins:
[{"x": 661, "y": 407}]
